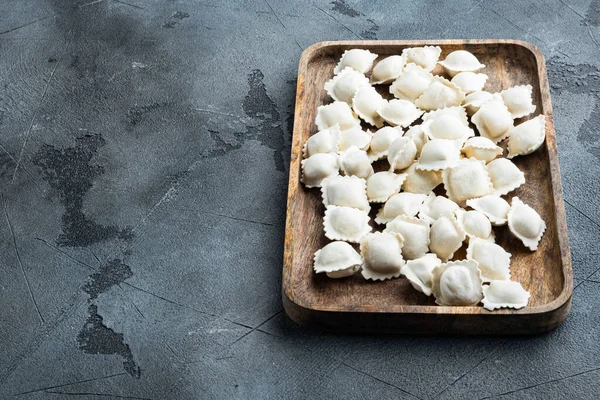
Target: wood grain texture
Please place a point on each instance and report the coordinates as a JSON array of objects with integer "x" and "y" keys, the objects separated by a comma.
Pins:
[{"x": 393, "y": 306}]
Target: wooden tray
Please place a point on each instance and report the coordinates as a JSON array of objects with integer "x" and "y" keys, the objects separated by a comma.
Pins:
[{"x": 354, "y": 304}]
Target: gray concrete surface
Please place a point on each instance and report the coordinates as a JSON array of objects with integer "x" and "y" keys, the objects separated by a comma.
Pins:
[{"x": 138, "y": 259}]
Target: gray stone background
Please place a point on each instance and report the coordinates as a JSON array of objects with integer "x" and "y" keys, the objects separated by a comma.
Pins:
[{"x": 141, "y": 259}]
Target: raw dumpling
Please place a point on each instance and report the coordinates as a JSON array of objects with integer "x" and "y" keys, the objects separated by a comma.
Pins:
[
  {"x": 481, "y": 148},
  {"x": 435, "y": 207},
  {"x": 493, "y": 120},
  {"x": 468, "y": 179},
  {"x": 457, "y": 283},
  {"x": 456, "y": 111},
  {"x": 388, "y": 69},
  {"x": 407, "y": 204},
  {"x": 475, "y": 224},
  {"x": 345, "y": 223},
  {"x": 399, "y": 112},
  {"x": 418, "y": 136},
  {"x": 518, "y": 100},
  {"x": 439, "y": 154},
  {"x": 447, "y": 126},
  {"x": 366, "y": 102},
  {"x": 325, "y": 141},
  {"x": 419, "y": 181},
  {"x": 355, "y": 137},
  {"x": 338, "y": 113},
  {"x": 525, "y": 223},
  {"x": 493, "y": 260},
  {"x": 505, "y": 176},
  {"x": 446, "y": 237},
  {"x": 382, "y": 255},
  {"x": 415, "y": 233},
  {"x": 381, "y": 141},
  {"x": 343, "y": 86},
  {"x": 469, "y": 82},
  {"x": 426, "y": 57},
  {"x": 419, "y": 272},
  {"x": 402, "y": 153},
  {"x": 337, "y": 260},
  {"x": 473, "y": 101},
  {"x": 382, "y": 185},
  {"x": 412, "y": 83},
  {"x": 493, "y": 207},
  {"x": 318, "y": 167},
  {"x": 460, "y": 61},
  {"x": 347, "y": 191},
  {"x": 440, "y": 93},
  {"x": 357, "y": 59},
  {"x": 508, "y": 294},
  {"x": 355, "y": 162},
  {"x": 528, "y": 137}
]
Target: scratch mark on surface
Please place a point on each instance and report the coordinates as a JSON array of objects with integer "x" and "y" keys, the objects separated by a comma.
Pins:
[
  {"x": 233, "y": 218},
  {"x": 571, "y": 8},
  {"x": 65, "y": 254},
  {"x": 115, "y": 396},
  {"x": 513, "y": 24},
  {"x": 31, "y": 23},
  {"x": 224, "y": 114},
  {"x": 129, "y": 4},
  {"x": 592, "y": 36},
  {"x": 72, "y": 383},
  {"x": 381, "y": 380},
  {"x": 301, "y": 48},
  {"x": 90, "y": 3},
  {"x": 253, "y": 329},
  {"x": 275, "y": 14},
  {"x": 336, "y": 20},
  {"x": 583, "y": 214},
  {"x": 22, "y": 167}
]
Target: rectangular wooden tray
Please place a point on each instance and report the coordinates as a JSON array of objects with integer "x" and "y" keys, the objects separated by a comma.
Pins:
[{"x": 356, "y": 305}]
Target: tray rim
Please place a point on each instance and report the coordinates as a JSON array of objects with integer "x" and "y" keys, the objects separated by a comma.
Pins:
[{"x": 292, "y": 302}]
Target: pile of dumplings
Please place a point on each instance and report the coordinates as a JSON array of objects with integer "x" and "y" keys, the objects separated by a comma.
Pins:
[{"x": 422, "y": 230}]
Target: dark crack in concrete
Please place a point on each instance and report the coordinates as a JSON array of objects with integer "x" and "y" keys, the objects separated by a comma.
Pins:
[
  {"x": 341, "y": 7},
  {"x": 113, "y": 273}
]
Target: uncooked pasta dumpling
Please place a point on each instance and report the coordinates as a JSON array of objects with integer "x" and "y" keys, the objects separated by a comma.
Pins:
[
  {"x": 388, "y": 69},
  {"x": 426, "y": 57},
  {"x": 473, "y": 101},
  {"x": 355, "y": 137},
  {"x": 344, "y": 85},
  {"x": 505, "y": 176},
  {"x": 355, "y": 162},
  {"x": 357, "y": 59},
  {"x": 337, "y": 260},
  {"x": 415, "y": 233},
  {"x": 457, "y": 283},
  {"x": 469, "y": 82},
  {"x": 518, "y": 100},
  {"x": 404, "y": 203},
  {"x": 493, "y": 261},
  {"x": 366, "y": 103},
  {"x": 460, "y": 61},
  {"x": 440, "y": 93},
  {"x": 419, "y": 272},
  {"x": 456, "y": 111},
  {"x": 381, "y": 141},
  {"x": 325, "y": 141},
  {"x": 346, "y": 223},
  {"x": 504, "y": 294},
  {"x": 318, "y": 167},
  {"x": 439, "y": 154},
  {"x": 419, "y": 181},
  {"x": 446, "y": 237},
  {"x": 468, "y": 179},
  {"x": 347, "y": 191},
  {"x": 447, "y": 126},
  {"x": 527, "y": 137},
  {"x": 399, "y": 112},
  {"x": 382, "y": 185},
  {"x": 402, "y": 153},
  {"x": 475, "y": 224},
  {"x": 435, "y": 207},
  {"x": 418, "y": 136},
  {"x": 481, "y": 148},
  {"x": 493, "y": 120},
  {"x": 382, "y": 255},
  {"x": 412, "y": 83},
  {"x": 493, "y": 207},
  {"x": 338, "y": 113},
  {"x": 526, "y": 224}
]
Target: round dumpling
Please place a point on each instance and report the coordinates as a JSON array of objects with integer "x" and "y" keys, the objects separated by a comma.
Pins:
[
  {"x": 475, "y": 224},
  {"x": 357, "y": 59},
  {"x": 527, "y": 137},
  {"x": 457, "y": 283},
  {"x": 466, "y": 180},
  {"x": 446, "y": 237},
  {"x": 493, "y": 261},
  {"x": 382, "y": 255},
  {"x": 344, "y": 85},
  {"x": 318, "y": 167},
  {"x": 402, "y": 153},
  {"x": 473, "y": 101},
  {"x": 412, "y": 83},
  {"x": 325, "y": 141},
  {"x": 439, "y": 154},
  {"x": 399, "y": 112},
  {"x": 381, "y": 141},
  {"x": 426, "y": 57},
  {"x": 337, "y": 260},
  {"x": 460, "y": 61},
  {"x": 504, "y": 294},
  {"x": 346, "y": 223},
  {"x": 526, "y": 224},
  {"x": 518, "y": 100},
  {"x": 388, "y": 69},
  {"x": 366, "y": 102},
  {"x": 415, "y": 233},
  {"x": 493, "y": 120},
  {"x": 336, "y": 113},
  {"x": 439, "y": 94},
  {"x": 355, "y": 162},
  {"x": 347, "y": 191},
  {"x": 505, "y": 176},
  {"x": 469, "y": 82},
  {"x": 404, "y": 203},
  {"x": 382, "y": 185}
]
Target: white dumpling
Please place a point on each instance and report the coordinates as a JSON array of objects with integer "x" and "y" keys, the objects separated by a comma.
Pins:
[
  {"x": 404, "y": 203},
  {"x": 473, "y": 101},
  {"x": 382, "y": 185},
  {"x": 456, "y": 111},
  {"x": 439, "y": 154},
  {"x": 518, "y": 100},
  {"x": 355, "y": 137},
  {"x": 418, "y": 136},
  {"x": 415, "y": 233},
  {"x": 419, "y": 181},
  {"x": 505, "y": 176},
  {"x": 526, "y": 224},
  {"x": 493, "y": 120},
  {"x": 469, "y": 82},
  {"x": 412, "y": 83},
  {"x": 399, "y": 112},
  {"x": 447, "y": 126},
  {"x": 388, "y": 69},
  {"x": 435, "y": 207},
  {"x": 457, "y": 283},
  {"x": 493, "y": 261},
  {"x": 419, "y": 272},
  {"x": 382, "y": 255},
  {"x": 493, "y": 207},
  {"x": 475, "y": 224},
  {"x": 337, "y": 260},
  {"x": 325, "y": 141},
  {"x": 504, "y": 294},
  {"x": 344, "y": 85},
  {"x": 357, "y": 59},
  {"x": 381, "y": 141},
  {"x": 347, "y": 191},
  {"x": 460, "y": 61},
  {"x": 365, "y": 104},
  {"x": 338, "y": 113},
  {"x": 318, "y": 167},
  {"x": 426, "y": 57},
  {"x": 468, "y": 179},
  {"x": 527, "y": 137},
  {"x": 439, "y": 94},
  {"x": 346, "y": 223},
  {"x": 355, "y": 162},
  {"x": 481, "y": 148},
  {"x": 446, "y": 236},
  {"x": 402, "y": 153}
]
